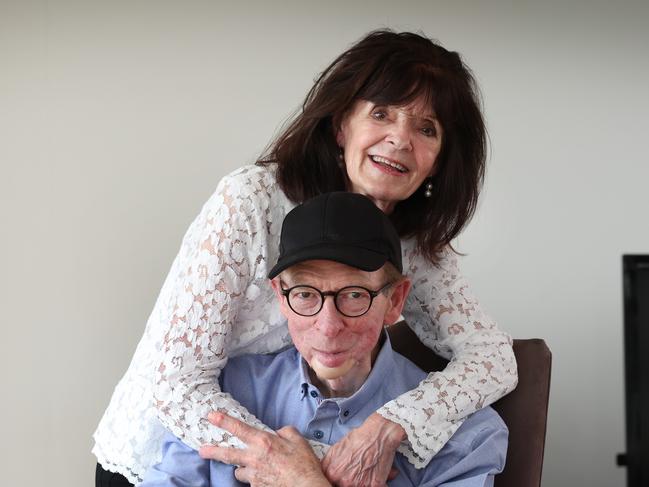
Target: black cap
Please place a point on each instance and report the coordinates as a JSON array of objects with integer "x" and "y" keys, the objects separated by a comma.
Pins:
[{"x": 343, "y": 227}]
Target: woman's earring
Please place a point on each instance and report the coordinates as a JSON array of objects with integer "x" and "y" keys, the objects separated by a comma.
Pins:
[
  {"x": 428, "y": 189},
  {"x": 341, "y": 157}
]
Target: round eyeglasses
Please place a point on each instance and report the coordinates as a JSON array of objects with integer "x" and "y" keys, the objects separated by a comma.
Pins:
[{"x": 350, "y": 301}]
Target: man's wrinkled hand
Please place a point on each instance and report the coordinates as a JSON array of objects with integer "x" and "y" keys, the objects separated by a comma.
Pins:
[{"x": 364, "y": 457}]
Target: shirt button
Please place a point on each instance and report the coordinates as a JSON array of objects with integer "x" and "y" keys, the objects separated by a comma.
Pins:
[
  {"x": 317, "y": 434},
  {"x": 346, "y": 413},
  {"x": 314, "y": 394}
]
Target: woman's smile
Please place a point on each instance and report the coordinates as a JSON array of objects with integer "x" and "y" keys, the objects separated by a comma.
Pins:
[
  {"x": 388, "y": 165},
  {"x": 389, "y": 151}
]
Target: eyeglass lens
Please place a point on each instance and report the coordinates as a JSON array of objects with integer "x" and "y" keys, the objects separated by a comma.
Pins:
[{"x": 350, "y": 301}]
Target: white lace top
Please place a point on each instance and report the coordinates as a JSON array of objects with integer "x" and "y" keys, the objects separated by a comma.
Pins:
[{"x": 216, "y": 302}]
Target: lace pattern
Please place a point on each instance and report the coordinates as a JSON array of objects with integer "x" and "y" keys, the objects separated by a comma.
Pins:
[{"x": 216, "y": 302}]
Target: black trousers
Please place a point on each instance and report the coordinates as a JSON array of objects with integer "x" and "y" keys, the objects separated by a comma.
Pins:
[{"x": 104, "y": 478}]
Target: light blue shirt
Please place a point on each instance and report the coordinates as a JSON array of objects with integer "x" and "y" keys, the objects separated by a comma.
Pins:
[{"x": 276, "y": 388}]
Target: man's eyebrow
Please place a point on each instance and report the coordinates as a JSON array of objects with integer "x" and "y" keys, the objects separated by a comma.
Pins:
[
  {"x": 297, "y": 274},
  {"x": 304, "y": 277}
]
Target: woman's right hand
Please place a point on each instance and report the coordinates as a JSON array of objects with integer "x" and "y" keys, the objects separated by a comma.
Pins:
[{"x": 284, "y": 459}]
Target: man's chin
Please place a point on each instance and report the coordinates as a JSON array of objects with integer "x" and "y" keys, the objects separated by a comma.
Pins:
[{"x": 324, "y": 372}]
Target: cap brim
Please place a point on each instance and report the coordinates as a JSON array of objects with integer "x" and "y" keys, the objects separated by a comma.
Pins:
[{"x": 360, "y": 258}]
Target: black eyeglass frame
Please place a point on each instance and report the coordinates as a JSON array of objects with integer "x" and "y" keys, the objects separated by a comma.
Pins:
[{"x": 334, "y": 294}]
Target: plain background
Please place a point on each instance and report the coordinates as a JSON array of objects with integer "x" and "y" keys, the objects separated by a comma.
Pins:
[{"x": 118, "y": 118}]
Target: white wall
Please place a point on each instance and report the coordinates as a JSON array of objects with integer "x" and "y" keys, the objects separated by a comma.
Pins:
[{"x": 118, "y": 118}]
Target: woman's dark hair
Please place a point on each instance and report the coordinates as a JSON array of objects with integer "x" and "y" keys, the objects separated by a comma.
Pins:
[{"x": 389, "y": 68}]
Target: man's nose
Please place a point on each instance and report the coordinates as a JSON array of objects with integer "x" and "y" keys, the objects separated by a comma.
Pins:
[{"x": 330, "y": 321}]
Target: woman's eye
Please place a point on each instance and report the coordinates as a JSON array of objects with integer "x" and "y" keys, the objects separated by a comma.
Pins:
[
  {"x": 379, "y": 114},
  {"x": 429, "y": 131}
]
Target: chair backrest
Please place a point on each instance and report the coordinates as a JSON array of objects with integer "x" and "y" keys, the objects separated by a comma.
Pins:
[{"x": 524, "y": 410}]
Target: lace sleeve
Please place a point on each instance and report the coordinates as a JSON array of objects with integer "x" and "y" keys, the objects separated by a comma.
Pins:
[
  {"x": 448, "y": 319},
  {"x": 205, "y": 287},
  {"x": 208, "y": 285}
]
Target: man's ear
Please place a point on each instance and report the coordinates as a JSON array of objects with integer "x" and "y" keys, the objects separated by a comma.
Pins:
[
  {"x": 277, "y": 287},
  {"x": 398, "y": 297}
]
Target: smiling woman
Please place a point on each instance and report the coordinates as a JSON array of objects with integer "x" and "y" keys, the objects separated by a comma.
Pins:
[
  {"x": 396, "y": 117},
  {"x": 389, "y": 151},
  {"x": 395, "y": 110}
]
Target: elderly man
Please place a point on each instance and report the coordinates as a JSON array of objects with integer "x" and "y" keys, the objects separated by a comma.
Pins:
[{"x": 338, "y": 281}]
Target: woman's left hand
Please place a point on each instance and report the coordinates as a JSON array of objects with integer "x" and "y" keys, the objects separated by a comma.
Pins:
[
  {"x": 281, "y": 460},
  {"x": 364, "y": 456}
]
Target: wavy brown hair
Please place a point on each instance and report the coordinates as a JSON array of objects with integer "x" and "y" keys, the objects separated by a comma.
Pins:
[{"x": 389, "y": 68}]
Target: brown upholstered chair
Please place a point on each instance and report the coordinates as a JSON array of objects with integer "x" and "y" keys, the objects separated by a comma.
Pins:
[{"x": 524, "y": 410}]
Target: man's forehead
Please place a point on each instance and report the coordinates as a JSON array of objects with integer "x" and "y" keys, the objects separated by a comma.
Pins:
[{"x": 327, "y": 269}]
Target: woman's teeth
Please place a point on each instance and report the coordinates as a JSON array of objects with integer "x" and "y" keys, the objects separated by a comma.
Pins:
[{"x": 386, "y": 162}]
